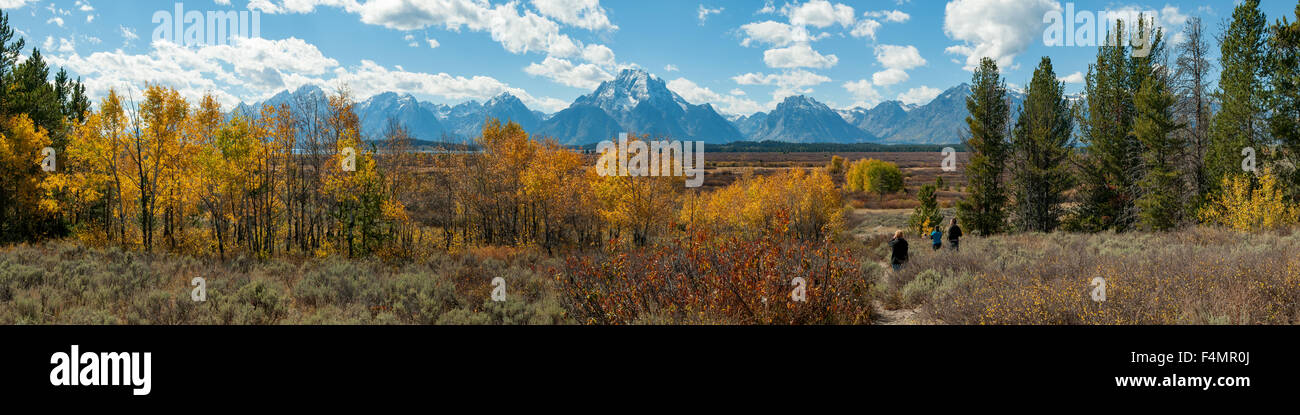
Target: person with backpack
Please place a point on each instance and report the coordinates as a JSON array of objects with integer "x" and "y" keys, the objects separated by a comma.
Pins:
[
  {"x": 898, "y": 251},
  {"x": 936, "y": 238},
  {"x": 954, "y": 235}
]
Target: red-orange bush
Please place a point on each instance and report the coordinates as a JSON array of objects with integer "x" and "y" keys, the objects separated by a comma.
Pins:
[{"x": 697, "y": 278}]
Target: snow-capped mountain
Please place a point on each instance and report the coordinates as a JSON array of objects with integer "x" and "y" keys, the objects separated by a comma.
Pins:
[
  {"x": 423, "y": 120},
  {"x": 466, "y": 119},
  {"x": 883, "y": 120},
  {"x": 376, "y": 112},
  {"x": 800, "y": 119},
  {"x": 639, "y": 103},
  {"x": 298, "y": 101},
  {"x": 941, "y": 121},
  {"x": 748, "y": 125}
]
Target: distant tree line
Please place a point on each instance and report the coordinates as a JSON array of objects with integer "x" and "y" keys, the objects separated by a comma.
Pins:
[{"x": 784, "y": 147}]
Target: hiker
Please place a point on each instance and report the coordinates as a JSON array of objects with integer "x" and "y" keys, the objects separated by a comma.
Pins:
[
  {"x": 898, "y": 251},
  {"x": 954, "y": 235},
  {"x": 936, "y": 237}
]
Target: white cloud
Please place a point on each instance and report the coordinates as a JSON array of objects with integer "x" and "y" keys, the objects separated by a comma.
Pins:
[
  {"x": 996, "y": 29},
  {"x": 433, "y": 43},
  {"x": 370, "y": 76},
  {"x": 598, "y": 54},
  {"x": 253, "y": 69},
  {"x": 919, "y": 96},
  {"x": 67, "y": 46},
  {"x": 704, "y": 12},
  {"x": 55, "y": 20},
  {"x": 102, "y": 71},
  {"x": 730, "y": 104},
  {"x": 1074, "y": 78},
  {"x": 819, "y": 14},
  {"x": 128, "y": 33},
  {"x": 893, "y": 16},
  {"x": 670, "y": 68},
  {"x": 866, "y": 28},
  {"x": 899, "y": 57},
  {"x": 798, "y": 56},
  {"x": 13, "y": 4},
  {"x": 299, "y": 6},
  {"x": 587, "y": 14},
  {"x": 584, "y": 76},
  {"x": 517, "y": 31},
  {"x": 83, "y": 6},
  {"x": 864, "y": 92},
  {"x": 773, "y": 33},
  {"x": 890, "y": 77},
  {"x": 789, "y": 83}
]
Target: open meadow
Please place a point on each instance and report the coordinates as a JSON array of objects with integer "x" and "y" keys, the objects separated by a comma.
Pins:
[{"x": 1199, "y": 275}]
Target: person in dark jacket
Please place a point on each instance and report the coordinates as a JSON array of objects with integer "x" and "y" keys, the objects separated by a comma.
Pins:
[
  {"x": 954, "y": 234},
  {"x": 898, "y": 251}
]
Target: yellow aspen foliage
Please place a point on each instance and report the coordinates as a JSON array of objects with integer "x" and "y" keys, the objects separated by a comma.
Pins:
[
  {"x": 637, "y": 204},
  {"x": 21, "y": 145},
  {"x": 873, "y": 176},
  {"x": 1248, "y": 207},
  {"x": 803, "y": 203}
]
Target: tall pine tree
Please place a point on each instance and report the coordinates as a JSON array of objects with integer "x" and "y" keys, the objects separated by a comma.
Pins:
[
  {"x": 1160, "y": 205},
  {"x": 1108, "y": 164},
  {"x": 1040, "y": 146},
  {"x": 1284, "y": 123},
  {"x": 984, "y": 210},
  {"x": 1242, "y": 96},
  {"x": 10, "y": 49}
]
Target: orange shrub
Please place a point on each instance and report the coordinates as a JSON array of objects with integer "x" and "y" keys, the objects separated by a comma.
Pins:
[{"x": 702, "y": 279}]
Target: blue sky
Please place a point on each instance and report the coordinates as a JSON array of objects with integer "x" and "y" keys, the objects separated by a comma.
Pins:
[{"x": 741, "y": 56}]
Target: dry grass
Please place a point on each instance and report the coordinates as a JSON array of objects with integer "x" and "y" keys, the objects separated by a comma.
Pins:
[
  {"x": 1197, "y": 276},
  {"x": 67, "y": 283}
]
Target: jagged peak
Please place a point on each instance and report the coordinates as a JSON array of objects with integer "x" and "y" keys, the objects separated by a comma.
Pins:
[{"x": 503, "y": 98}]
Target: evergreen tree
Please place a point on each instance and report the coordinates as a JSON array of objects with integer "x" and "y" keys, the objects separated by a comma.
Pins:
[
  {"x": 10, "y": 49},
  {"x": 926, "y": 216},
  {"x": 31, "y": 93},
  {"x": 1159, "y": 206},
  {"x": 1040, "y": 146},
  {"x": 1111, "y": 162},
  {"x": 984, "y": 211},
  {"x": 1284, "y": 123},
  {"x": 1242, "y": 96}
]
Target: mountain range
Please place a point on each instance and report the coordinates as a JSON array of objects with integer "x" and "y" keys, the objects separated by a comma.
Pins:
[
  {"x": 638, "y": 102},
  {"x": 423, "y": 120}
]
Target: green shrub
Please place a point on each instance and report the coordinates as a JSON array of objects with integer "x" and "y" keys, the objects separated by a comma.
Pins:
[
  {"x": 921, "y": 287},
  {"x": 263, "y": 297}
]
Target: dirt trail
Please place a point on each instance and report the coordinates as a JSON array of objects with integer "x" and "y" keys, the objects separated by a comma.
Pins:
[
  {"x": 904, "y": 317},
  {"x": 900, "y": 317}
]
